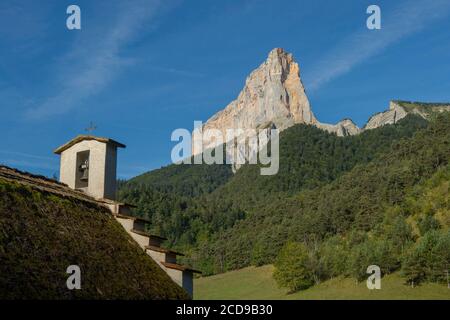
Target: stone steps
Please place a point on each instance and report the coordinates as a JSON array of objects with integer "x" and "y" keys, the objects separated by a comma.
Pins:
[{"x": 151, "y": 244}]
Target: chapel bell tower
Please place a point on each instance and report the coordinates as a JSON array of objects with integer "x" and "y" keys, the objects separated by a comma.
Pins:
[{"x": 89, "y": 163}]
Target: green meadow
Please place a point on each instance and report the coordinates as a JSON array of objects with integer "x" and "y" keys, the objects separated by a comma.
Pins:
[{"x": 257, "y": 283}]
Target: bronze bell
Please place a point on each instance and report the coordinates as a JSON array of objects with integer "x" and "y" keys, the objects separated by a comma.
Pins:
[{"x": 85, "y": 168}]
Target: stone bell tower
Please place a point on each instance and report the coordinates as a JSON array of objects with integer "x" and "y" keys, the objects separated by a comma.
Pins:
[{"x": 89, "y": 163}]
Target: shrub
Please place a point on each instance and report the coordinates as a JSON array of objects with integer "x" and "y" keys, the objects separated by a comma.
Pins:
[
  {"x": 429, "y": 259},
  {"x": 334, "y": 256},
  {"x": 373, "y": 252},
  {"x": 292, "y": 267},
  {"x": 427, "y": 223}
]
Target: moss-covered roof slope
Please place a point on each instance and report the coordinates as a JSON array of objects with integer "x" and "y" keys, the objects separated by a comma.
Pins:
[{"x": 43, "y": 232}]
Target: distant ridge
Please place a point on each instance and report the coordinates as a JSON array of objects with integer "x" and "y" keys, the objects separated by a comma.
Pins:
[{"x": 274, "y": 94}]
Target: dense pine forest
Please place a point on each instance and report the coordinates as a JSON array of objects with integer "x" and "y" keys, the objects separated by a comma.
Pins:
[{"x": 337, "y": 205}]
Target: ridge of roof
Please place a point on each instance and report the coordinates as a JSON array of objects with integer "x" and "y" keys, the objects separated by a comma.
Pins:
[
  {"x": 83, "y": 137},
  {"x": 45, "y": 184}
]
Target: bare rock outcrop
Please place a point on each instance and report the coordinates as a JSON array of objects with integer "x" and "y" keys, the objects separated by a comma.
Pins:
[
  {"x": 391, "y": 116},
  {"x": 399, "y": 109},
  {"x": 343, "y": 128}
]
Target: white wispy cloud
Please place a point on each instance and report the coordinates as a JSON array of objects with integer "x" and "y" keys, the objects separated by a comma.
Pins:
[
  {"x": 178, "y": 72},
  {"x": 404, "y": 20},
  {"x": 27, "y": 160},
  {"x": 27, "y": 155},
  {"x": 95, "y": 61},
  {"x": 24, "y": 164}
]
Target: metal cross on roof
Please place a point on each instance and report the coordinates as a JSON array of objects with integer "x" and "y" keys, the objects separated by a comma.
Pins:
[{"x": 91, "y": 127}]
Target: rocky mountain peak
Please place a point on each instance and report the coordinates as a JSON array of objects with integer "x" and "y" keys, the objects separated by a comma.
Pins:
[{"x": 273, "y": 93}]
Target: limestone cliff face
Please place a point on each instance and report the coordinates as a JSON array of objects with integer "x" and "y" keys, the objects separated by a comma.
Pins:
[
  {"x": 393, "y": 115},
  {"x": 273, "y": 95}
]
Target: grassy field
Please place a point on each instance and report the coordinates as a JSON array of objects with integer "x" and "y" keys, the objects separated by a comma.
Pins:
[{"x": 257, "y": 283}]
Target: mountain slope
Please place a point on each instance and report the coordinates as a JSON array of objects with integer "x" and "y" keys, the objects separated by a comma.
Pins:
[
  {"x": 183, "y": 179},
  {"x": 310, "y": 158},
  {"x": 425, "y": 211},
  {"x": 354, "y": 202},
  {"x": 42, "y": 233}
]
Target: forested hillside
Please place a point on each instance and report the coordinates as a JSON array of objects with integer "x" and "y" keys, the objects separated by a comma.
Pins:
[
  {"x": 412, "y": 236},
  {"x": 326, "y": 186},
  {"x": 352, "y": 205},
  {"x": 183, "y": 179}
]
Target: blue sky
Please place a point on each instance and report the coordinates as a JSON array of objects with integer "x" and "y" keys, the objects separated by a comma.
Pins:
[{"x": 140, "y": 69}]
